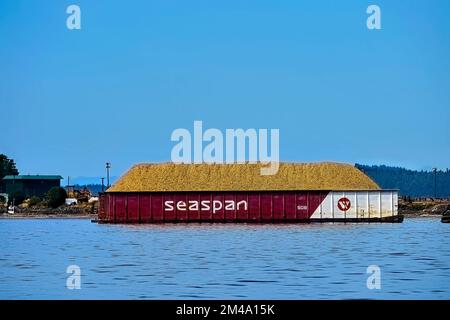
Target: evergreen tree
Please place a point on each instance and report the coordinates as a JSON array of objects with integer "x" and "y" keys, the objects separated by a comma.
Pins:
[{"x": 7, "y": 166}]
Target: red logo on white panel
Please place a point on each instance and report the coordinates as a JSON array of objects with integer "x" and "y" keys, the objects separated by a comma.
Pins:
[{"x": 344, "y": 204}]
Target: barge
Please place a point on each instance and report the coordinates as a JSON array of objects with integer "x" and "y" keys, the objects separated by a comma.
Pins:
[{"x": 317, "y": 192}]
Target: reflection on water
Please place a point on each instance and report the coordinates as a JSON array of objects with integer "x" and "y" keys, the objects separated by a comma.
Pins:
[{"x": 228, "y": 261}]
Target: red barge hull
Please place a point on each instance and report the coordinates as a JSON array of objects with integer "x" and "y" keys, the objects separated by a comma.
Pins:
[{"x": 247, "y": 207}]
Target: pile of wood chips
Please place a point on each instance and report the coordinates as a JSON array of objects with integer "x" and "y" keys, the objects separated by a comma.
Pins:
[{"x": 158, "y": 177}]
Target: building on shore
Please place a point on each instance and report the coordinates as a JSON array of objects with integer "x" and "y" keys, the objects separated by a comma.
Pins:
[{"x": 30, "y": 185}]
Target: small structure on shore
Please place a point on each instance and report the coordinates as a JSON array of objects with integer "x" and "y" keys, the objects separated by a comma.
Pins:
[
  {"x": 80, "y": 195},
  {"x": 71, "y": 201}
]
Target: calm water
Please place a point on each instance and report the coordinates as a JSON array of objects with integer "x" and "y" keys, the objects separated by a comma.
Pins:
[{"x": 224, "y": 261}]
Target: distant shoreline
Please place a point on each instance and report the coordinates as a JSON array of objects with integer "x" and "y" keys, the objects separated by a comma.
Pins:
[
  {"x": 22, "y": 215},
  {"x": 47, "y": 216},
  {"x": 414, "y": 209}
]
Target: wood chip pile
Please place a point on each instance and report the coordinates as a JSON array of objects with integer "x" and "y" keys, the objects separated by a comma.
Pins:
[{"x": 159, "y": 177}]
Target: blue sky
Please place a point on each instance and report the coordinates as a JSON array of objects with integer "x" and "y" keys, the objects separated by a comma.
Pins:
[{"x": 116, "y": 89}]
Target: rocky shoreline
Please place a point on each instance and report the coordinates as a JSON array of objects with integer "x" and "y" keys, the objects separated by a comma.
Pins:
[
  {"x": 425, "y": 208},
  {"x": 43, "y": 212},
  {"x": 408, "y": 209},
  {"x": 47, "y": 216}
]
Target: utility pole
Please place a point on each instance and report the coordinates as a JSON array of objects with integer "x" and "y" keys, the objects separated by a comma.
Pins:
[
  {"x": 103, "y": 184},
  {"x": 108, "y": 166},
  {"x": 435, "y": 184}
]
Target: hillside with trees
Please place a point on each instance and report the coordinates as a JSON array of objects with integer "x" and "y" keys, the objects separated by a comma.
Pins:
[{"x": 411, "y": 183}]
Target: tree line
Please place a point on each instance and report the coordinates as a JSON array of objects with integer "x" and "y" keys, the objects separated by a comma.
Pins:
[{"x": 411, "y": 183}]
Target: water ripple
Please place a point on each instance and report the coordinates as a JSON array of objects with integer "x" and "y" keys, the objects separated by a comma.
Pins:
[{"x": 224, "y": 261}]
